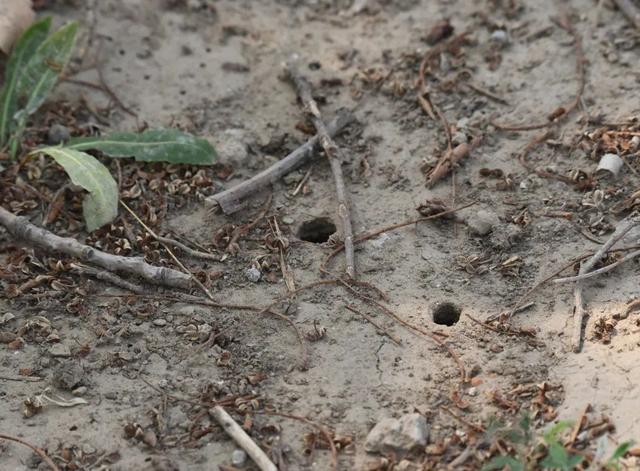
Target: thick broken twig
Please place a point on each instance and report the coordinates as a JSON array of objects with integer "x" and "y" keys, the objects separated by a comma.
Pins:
[
  {"x": 25, "y": 232},
  {"x": 243, "y": 440},
  {"x": 230, "y": 200},
  {"x": 332, "y": 152},
  {"x": 448, "y": 161}
]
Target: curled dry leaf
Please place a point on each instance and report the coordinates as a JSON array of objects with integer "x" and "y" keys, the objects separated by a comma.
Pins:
[{"x": 15, "y": 17}]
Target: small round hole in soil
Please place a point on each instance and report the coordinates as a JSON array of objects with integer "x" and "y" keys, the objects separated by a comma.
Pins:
[
  {"x": 446, "y": 314},
  {"x": 316, "y": 230}
]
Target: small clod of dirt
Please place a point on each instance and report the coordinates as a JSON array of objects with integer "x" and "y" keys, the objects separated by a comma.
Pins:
[
  {"x": 446, "y": 314},
  {"x": 317, "y": 230}
]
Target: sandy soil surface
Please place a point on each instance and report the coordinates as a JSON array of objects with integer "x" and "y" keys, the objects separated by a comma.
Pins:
[{"x": 214, "y": 68}]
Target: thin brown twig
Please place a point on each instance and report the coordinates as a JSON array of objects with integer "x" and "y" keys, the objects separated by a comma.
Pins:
[
  {"x": 227, "y": 401},
  {"x": 39, "y": 451},
  {"x": 377, "y": 232},
  {"x": 376, "y": 325},
  {"x": 475, "y": 428},
  {"x": 243, "y": 229},
  {"x": 170, "y": 252},
  {"x": 333, "y": 153},
  {"x": 107, "y": 89},
  {"x": 424, "y": 99}
]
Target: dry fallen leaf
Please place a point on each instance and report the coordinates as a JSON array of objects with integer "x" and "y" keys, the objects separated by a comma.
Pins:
[{"x": 15, "y": 17}]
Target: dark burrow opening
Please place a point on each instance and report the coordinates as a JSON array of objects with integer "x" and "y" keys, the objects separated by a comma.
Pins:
[
  {"x": 317, "y": 230},
  {"x": 446, "y": 314}
]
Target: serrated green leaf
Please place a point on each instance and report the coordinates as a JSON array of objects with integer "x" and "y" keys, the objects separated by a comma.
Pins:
[
  {"x": 100, "y": 206},
  {"x": 25, "y": 47},
  {"x": 499, "y": 462},
  {"x": 40, "y": 74},
  {"x": 152, "y": 145}
]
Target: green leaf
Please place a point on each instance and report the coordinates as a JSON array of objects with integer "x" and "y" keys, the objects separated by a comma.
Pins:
[
  {"x": 575, "y": 460},
  {"x": 100, "y": 206},
  {"x": 152, "y": 145},
  {"x": 557, "y": 457},
  {"x": 554, "y": 432},
  {"x": 618, "y": 453},
  {"x": 24, "y": 49},
  {"x": 40, "y": 74},
  {"x": 499, "y": 462}
]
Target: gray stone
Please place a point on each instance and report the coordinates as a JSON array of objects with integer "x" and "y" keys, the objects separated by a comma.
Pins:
[
  {"x": 292, "y": 178},
  {"x": 398, "y": 435},
  {"x": 238, "y": 458},
  {"x": 59, "y": 350},
  {"x": 500, "y": 36},
  {"x": 58, "y": 134},
  {"x": 232, "y": 147},
  {"x": 482, "y": 222},
  {"x": 68, "y": 375},
  {"x": 253, "y": 274},
  {"x": 159, "y": 322}
]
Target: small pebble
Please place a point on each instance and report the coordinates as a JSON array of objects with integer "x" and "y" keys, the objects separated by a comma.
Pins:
[
  {"x": 253, "y": 274},
  {"x": 81, "y": 391},
  {"x": 88, "y": 449},
  {"x": 473, "y": 391},
  {"x": 59, "y": 350},
  {"x": 288, "y": 220},
  {"x": 159, "y": 322},
  {"x": 58, "y": 134},
  {"x": 239, "y": 457},
  {"x": 500, "y": 36},
  {"x": 111, "y": 395}
]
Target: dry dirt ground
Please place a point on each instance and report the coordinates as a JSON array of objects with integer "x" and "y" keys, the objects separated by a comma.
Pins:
[{"x": 215, "y": 68}]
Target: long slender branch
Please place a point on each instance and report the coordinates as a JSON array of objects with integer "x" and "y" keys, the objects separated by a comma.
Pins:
[
  {"x": 230, "y": 200},
  {"x": 332, "y": 152},
  {"x": 26, "y": 233}
]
